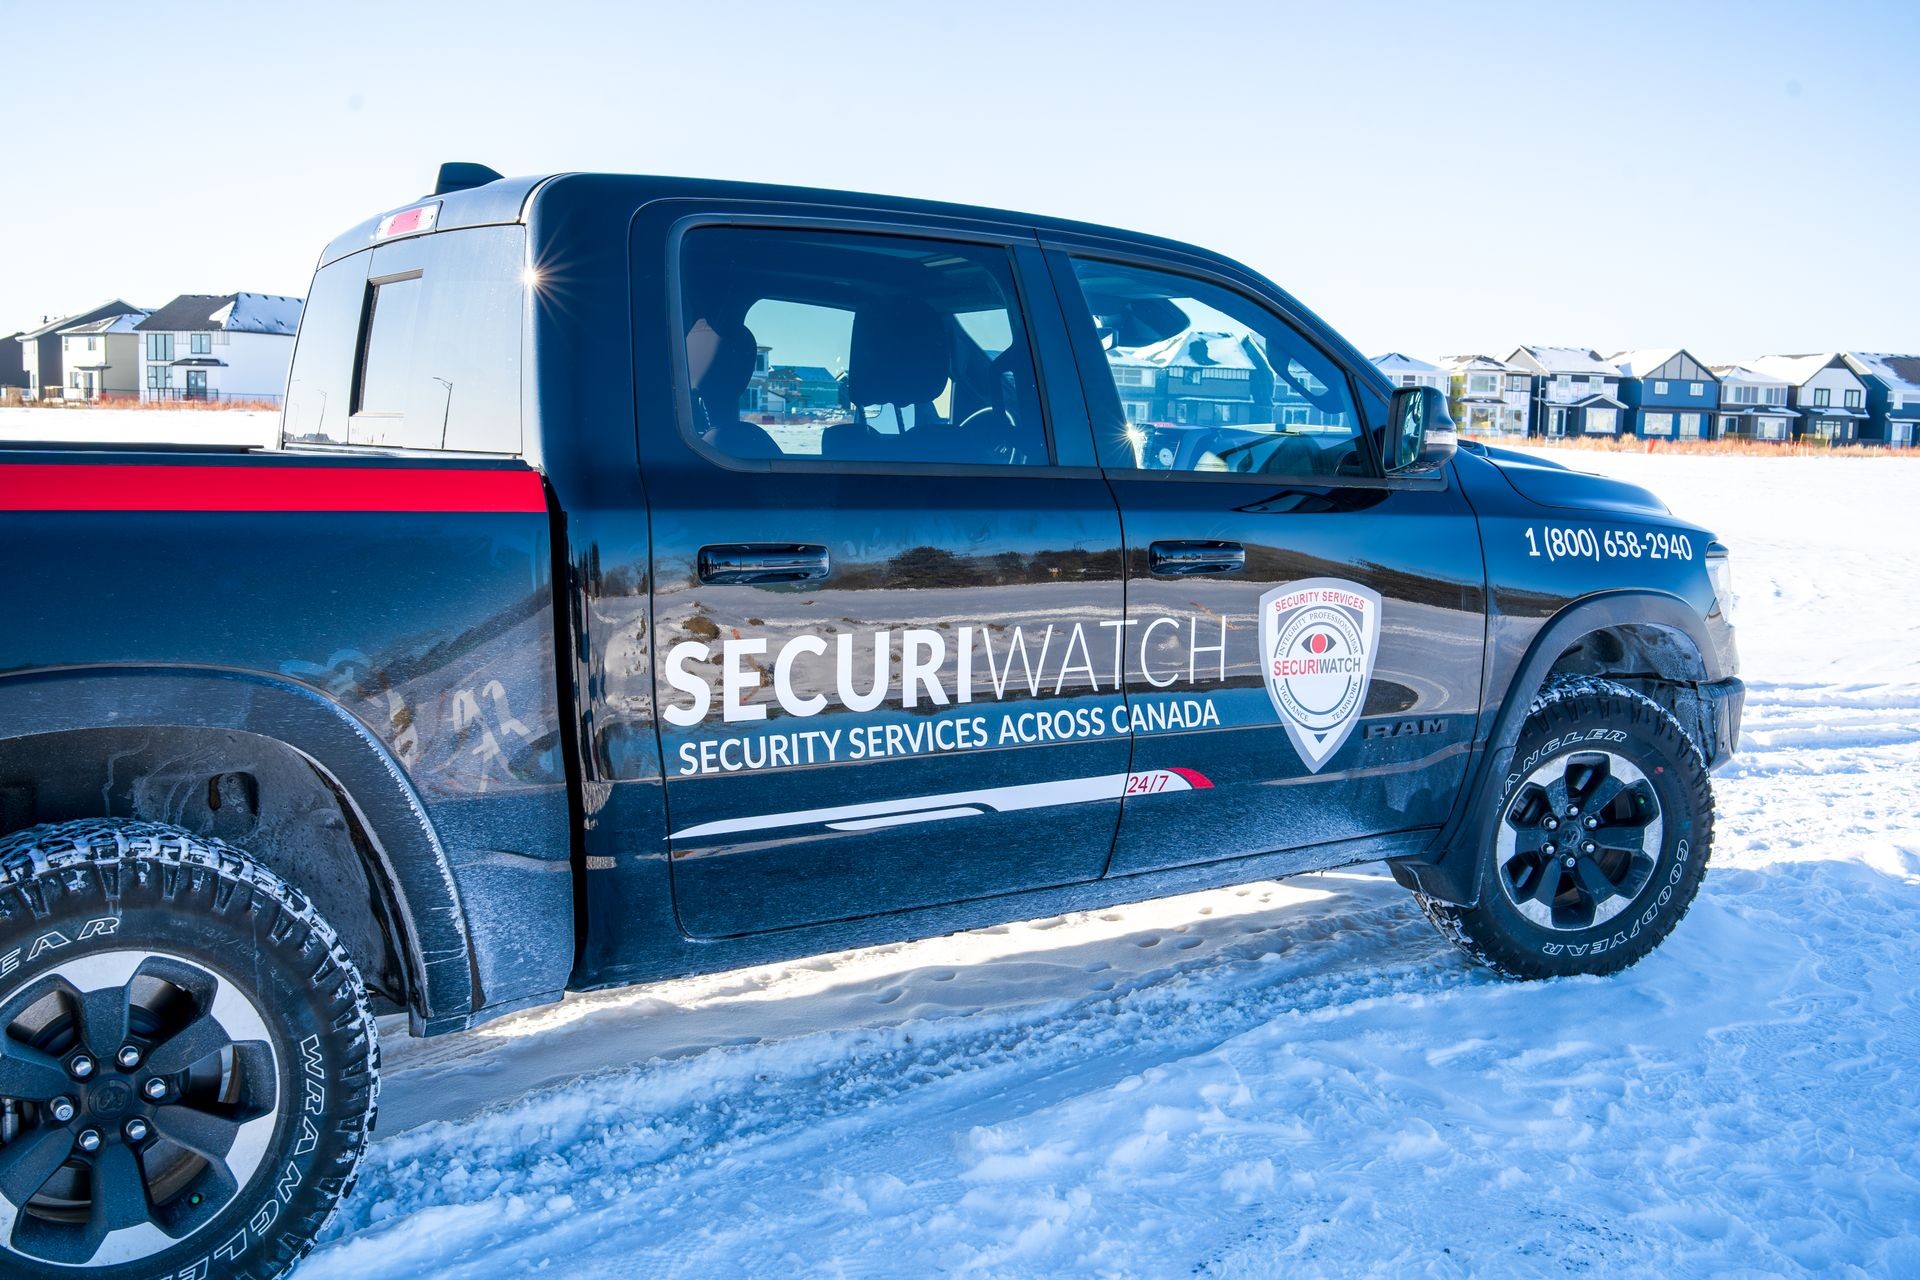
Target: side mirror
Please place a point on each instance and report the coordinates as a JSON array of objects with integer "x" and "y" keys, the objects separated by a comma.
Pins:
[{"x": 1419, "y": 434}]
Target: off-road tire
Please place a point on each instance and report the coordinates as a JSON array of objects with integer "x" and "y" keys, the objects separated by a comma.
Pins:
[
  {"x": 1567, "y": 718},
  {"x": 80, "y": 897}
]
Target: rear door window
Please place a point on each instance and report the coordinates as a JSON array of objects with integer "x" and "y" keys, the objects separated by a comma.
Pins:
[{"x": 870, "y": 350}]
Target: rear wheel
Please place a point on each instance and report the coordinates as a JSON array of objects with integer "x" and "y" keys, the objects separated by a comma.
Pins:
[
  {"x": 188, "y": 1069},
  {"x": 1599, "y": 839}
]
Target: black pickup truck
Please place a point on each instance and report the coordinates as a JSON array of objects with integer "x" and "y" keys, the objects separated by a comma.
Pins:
[{"x": 661, "y": 576}]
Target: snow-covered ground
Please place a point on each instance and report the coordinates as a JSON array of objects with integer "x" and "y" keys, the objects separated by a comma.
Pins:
[
  {"x": 259, "y": 428},
  {"x": 1297, "y": 1078}
]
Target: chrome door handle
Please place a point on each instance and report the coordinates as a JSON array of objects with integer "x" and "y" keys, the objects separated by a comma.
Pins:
[
  {"x": 763, "y": 562},
  {"x": 1190, "y": 559}
]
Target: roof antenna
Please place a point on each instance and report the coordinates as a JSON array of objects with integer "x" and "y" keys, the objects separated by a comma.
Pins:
[{"x": 459, "y": 175}]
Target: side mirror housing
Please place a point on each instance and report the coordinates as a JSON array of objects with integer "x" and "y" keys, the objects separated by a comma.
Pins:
[{"x": 1419, "y": 435}]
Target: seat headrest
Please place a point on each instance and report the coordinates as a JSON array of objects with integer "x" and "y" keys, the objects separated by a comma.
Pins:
[
  {"x": 899, "y": 353},
  {"x": 720, "y": 361}
]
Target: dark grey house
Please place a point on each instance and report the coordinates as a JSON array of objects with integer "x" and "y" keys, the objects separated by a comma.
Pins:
[
  {"x": 13, "y": 370},
  {"x": 40, "y": 348}
]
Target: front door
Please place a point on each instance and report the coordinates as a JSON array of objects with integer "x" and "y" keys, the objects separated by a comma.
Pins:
[
  {"x": 196, "y": 384},
  {"x": 883, "y": 606},
  {"x": 1304, "y": 634}
]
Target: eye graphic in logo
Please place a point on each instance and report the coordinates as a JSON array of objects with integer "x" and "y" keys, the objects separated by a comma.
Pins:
[{"x": 1319, "y": 637}]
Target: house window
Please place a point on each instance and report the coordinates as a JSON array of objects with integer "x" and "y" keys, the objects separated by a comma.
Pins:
[
  {"x": 1137, "y": 411},
  {"x": 92, "y": 345},
  {"x": 1483, "y": 384},
  {"x": 1408, "y": 380},
  {"x": 1517, "y": 382},
  {"x": 1822, "y": 396},
  {"x": 1659, "y": 424},
  {"x": 200, "y": 344},
  {"x": 1851, "y": 398},
  {"x": 157, "y": 377},
  {"x": 1696, "y": 388},
  {"x": 1690, "y": 426},
  {"x": 1659, "y": 388},
  {"x": 1601, "y": 421},
  {"x": 159, "y": 346},
  {"x": 75, "y": 381}
]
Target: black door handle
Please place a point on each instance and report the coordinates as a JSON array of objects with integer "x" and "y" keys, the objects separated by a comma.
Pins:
[
  {"x": 1190, "y": 559},
  {"x": 763, "y": 562}
]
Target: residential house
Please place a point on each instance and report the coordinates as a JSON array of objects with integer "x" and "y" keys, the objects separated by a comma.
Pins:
[
  {"x": 1753, "y": 405},
  {"x": 1405, "y": 371},
  {"x": 40, "y": 348},
  {"x": 13, "y": 371},
  {"x": 1830, "y": 396},
  {"x": 100, "y": 360},
  {"x": 1669, "y": 395},
  {"x": 801, "y": 388},
  {"x": 1575, "y": 392},
  {"x": 1488, "y": 397},
  {"x": 233, "y": 346},
  {"x": 1893, "y": 396},
  {"x": 1203, "y": 377}
]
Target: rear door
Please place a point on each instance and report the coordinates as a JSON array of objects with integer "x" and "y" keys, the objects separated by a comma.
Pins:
[
  {"x": 887, "y": 571},
  {"x": 1305, "y": 634}
]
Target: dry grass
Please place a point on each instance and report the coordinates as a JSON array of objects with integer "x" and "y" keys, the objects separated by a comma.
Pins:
[
  {"x": 153, "y": 406},
  {"x": 1735, "y": 448}
]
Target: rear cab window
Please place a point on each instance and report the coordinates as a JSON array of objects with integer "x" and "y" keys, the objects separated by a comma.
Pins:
[
  {"x": 866, "y": 349},
  {"x": 414, "y": 344}
]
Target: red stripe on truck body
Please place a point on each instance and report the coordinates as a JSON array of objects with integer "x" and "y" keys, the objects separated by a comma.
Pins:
[{"x": 94, "y": 487}]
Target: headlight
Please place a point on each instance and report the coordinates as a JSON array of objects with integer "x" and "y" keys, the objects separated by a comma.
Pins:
[{"x": 1720, "y": 574}]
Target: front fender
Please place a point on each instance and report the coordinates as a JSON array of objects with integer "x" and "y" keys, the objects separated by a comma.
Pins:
[{"x": 1451, "y": 871}]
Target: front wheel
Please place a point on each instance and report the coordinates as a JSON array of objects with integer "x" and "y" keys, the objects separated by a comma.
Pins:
[
  {"x": 188, "y": 1070},
  {"x": 1599, "y": 838}
]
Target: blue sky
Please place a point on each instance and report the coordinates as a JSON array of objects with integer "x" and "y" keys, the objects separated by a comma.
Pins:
[{"x": 1431, "y": 178}]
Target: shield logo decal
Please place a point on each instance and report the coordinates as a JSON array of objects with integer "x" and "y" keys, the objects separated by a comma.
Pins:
[{"x": 1319, "y": 638}]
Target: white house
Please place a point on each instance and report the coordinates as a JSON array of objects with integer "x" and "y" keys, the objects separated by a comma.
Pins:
[
  {"x": 1830, "y": 396},
  {"x": 1405, "y": 371},
  {"x": 1753, "y": 404},
  {"x": 1575, "y": 392},
  {"x": 101, "y": 359},
  {"x": 1488, "y": 397},
  {"x": 40, "y": 349},
  {"x": 233, "y": 346}
]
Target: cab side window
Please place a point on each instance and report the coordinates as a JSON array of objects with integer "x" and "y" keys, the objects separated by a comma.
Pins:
[
  {"x": 1209, "y": 381},
  {"x": 856, "y": 348}
]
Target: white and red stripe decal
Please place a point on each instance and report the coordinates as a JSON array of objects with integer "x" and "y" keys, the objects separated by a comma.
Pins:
[
  {"x": 58, "y": 486},
  {"x": 959, "y": 804}
]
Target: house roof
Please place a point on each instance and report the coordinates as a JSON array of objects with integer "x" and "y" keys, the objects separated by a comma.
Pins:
[
  {"x": 1568, "y": 360},
  {"x": 1597, "y": 401},
  {"x": 1745, "y": 376},
  {"x": 1195, "y": 348},
  {"x": 1638, "y": 364},
  {"x": 112, "y": 324},
  {"x": 230, "y": 312},
  {"x": 804, "y": 372},
  {"x": 1394, "y": 362},
  {"x": 114, "y": 308},
  {"x": 1483, "y": 363},
  {"x": 1795, "y": 369},
  {"x": 1900, "y": 373}
]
